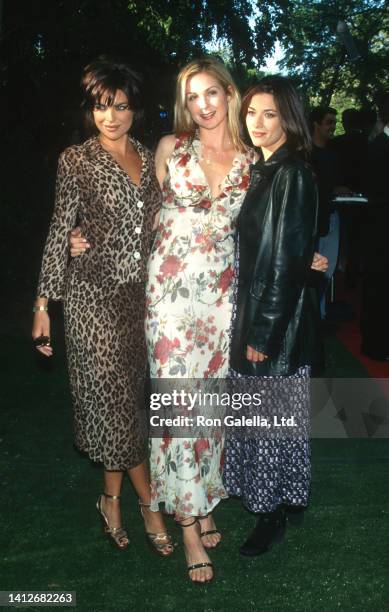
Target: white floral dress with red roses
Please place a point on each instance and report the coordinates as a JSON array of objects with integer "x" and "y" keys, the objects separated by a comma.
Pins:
[{"x": 189, "y": 308}]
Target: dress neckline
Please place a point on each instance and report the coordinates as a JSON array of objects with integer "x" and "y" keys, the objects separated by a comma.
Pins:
[
  {"x": 237, "y": 160},
  {"x": 139, "y": 149}
]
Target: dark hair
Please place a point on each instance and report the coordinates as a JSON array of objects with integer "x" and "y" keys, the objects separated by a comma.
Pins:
[
  {"x": 383, "y": 107},
  {"x": 104, "y": 77},
  {"x": 351, "y": 119},
  {"x": 317, "y": 114},
  {"x": 291, "y": 111},
  {"x": 368, "y": 119}
]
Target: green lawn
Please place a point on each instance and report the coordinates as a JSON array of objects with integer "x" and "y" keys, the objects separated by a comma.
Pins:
[{"x": 51, "y": 536}]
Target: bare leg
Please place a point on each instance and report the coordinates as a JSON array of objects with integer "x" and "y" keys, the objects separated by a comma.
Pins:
[
  {"x": 208, "y": 524},
  {"x": 195, "y": 551},
  {"x": 111, "y": 507},
  {"x": 140, "y": 479}
]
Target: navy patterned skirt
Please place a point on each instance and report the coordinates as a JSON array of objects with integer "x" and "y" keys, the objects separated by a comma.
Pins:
[{"x": 265, "y": 471}]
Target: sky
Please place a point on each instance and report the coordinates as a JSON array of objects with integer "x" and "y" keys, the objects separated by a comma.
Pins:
[{"x": 271, "y": 64}]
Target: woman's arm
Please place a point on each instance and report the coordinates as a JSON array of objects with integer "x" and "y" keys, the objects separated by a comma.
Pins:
[
  {"x": 164, "y": 151},
  {"x": 41, "y": 327},
  {"x": 55, "y": 256}
]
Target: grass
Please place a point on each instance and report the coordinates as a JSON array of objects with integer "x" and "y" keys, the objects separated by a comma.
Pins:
[{"x": 51, "y": 538}]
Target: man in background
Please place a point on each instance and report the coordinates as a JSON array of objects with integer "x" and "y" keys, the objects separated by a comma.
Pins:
[
  {"x": 351, "y": 148},
  {"x": 375, "y": 294},
  {"x": 326, "y": 166}
]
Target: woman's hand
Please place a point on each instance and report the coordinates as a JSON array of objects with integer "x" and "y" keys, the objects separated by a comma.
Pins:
[
  {"x": 253, "y": 355},
  {"x": 319, "y": 263},
  {"x": 77, "y": 243},
  {"x": 156, "y": 221},
  {"x": 41, "y": 329}
]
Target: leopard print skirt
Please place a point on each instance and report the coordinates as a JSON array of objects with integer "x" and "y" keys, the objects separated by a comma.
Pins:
[{"x": 107, "y": 364}]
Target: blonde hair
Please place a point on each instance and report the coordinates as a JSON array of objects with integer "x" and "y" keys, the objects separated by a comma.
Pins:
[{"x": 183, "y": 122}]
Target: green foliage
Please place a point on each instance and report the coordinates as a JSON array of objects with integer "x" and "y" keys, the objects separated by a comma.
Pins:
[
  {"x": 314, "y": 54},
  {"x": 183, "y": 29},
  {"x": 45, "y": 44}
]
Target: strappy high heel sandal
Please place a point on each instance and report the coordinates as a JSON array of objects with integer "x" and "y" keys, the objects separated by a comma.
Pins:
[
  {"x": 209, "y": 532},
  {"x": 117, "y": 535},
  {"x": 161, "y": 543},
  {"x": 195, "y": 566}
]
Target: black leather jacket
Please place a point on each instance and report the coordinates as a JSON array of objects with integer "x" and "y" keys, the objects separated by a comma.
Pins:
[{"x": 277, "y": 312}]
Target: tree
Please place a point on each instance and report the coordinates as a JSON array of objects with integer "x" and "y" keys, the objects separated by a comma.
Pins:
[
  {"x": 185, "y": 28},
  {"x": 45, "y": 43},
  {"x": 316, "y": 56}
]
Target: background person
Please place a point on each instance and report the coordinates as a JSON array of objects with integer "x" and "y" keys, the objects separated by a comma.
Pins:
[
  {"x": 351, "y": 149},
  {"x": 375, "y": 292},
  {"x": 326, "y": 166}
]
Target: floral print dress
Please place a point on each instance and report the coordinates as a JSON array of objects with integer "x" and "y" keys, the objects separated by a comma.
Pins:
[{"x": 188, "y": 315}]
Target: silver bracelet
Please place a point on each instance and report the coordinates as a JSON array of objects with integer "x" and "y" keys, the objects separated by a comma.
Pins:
[{"x": 40, "y": 309}]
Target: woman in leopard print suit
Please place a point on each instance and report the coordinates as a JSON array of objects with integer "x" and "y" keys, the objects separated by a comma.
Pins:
[{"x": 107, "y": 185}]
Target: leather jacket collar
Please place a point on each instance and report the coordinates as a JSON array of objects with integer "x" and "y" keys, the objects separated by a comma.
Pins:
[{"x": 267, "y": 168}]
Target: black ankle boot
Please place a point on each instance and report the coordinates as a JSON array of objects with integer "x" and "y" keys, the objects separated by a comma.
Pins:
[
  {"x": 295, "y": 515},
  {"x": 269, "y": 530}
]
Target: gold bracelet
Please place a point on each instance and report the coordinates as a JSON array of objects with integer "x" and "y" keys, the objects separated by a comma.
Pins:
[{"x": 40, "y": 309}]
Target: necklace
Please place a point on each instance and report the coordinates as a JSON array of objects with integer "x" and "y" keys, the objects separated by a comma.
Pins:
[{"x": 210, "y": 155}]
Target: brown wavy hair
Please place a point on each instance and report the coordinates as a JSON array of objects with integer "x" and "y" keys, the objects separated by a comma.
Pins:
[{"x": 290, "y": 107}]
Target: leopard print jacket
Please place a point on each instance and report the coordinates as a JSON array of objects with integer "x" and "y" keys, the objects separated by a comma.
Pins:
[{"x": 115, "y": 215}]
